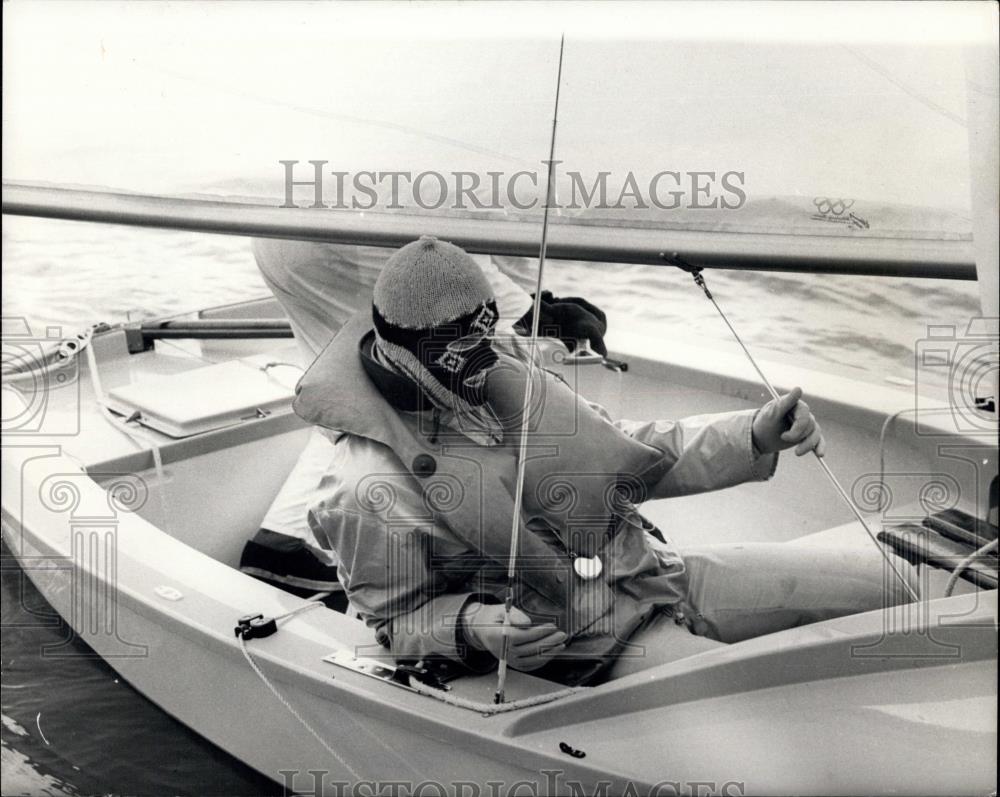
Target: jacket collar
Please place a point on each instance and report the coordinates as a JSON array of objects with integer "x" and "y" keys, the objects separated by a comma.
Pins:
[
  {"x": 337, "y": 391},
  {"x": 347, "y": 390}
]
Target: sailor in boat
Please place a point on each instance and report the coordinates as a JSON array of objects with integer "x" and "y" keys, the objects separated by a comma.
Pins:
[
  {"x": 422, "y": 400},
  {"x": 319, "y": 286}
]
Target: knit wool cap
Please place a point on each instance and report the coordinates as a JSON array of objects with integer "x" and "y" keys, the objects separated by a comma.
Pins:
[
  {"x": 434, "y": 315},
  {"x": 429, "y": 282}
]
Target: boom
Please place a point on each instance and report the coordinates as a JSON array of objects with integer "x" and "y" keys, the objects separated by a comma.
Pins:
[{"x": 894, "y": 257}]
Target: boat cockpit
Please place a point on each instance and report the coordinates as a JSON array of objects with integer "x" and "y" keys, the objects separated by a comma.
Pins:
[{"x": 201, "y": 467}]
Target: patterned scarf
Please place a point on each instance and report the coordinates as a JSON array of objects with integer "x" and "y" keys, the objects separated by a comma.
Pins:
[{"x": 449, "y": 363}]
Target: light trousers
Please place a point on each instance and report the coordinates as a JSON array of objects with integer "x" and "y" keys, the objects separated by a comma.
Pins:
[{"x": 741, "y": 590}]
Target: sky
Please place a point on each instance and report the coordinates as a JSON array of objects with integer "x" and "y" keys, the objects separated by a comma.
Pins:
[{"x": 806, "y": 99}]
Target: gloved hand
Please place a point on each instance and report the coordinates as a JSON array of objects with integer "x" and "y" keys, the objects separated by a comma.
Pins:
[
  {"x": 570, "y": 319},
  {"x": 531, "y": 646},
  {"x": 785, "y": 423}
]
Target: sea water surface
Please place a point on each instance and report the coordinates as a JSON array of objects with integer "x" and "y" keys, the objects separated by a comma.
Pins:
[{"x": 71, "y": 726}]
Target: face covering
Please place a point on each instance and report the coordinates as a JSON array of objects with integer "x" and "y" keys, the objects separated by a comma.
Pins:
[{"x": 449, "y": 362}]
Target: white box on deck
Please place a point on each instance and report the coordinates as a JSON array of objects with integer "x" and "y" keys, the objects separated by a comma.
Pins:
[{"x": 203, "y": 399}]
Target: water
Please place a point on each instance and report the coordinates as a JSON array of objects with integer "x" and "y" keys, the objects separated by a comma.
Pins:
[
  {"x": 69, "y": 275},
  {"x": 61, "y": 717}
]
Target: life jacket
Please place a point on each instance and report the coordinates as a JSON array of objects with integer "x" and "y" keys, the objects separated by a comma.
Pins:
[{"x": 582, "y": 473}]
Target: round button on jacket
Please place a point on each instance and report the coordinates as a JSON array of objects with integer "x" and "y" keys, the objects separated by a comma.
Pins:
[{"x": 588, "y": 569}]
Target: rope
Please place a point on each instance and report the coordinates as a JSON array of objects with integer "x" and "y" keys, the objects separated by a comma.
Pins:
[
  {"x": 291, "y": 709},
  {"x": 522, "y": 446},
  {"x": 964, "y": 564},
  {"x": 62, "y": 355},
  {"x": 889, "y": 421},
  {"x": 387, "y": 751},
  {"x": 270, "y": 365},
  {"x": 139, "y": 438},
  {"x": 489, "y": 709},
  {"x": 266, "y": 369},
  {"x": 700, "y": 282}
]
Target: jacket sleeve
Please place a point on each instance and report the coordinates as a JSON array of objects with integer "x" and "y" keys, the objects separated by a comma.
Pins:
[
  {"x": 387, "y": 578},
  {"x": 708, "y": 452}
]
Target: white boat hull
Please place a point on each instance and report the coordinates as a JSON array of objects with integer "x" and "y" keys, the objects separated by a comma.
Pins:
[{"x": 901, "y": 701}]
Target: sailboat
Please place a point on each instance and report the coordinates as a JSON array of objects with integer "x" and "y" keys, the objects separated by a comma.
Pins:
[{"x": 129, "y": 491}]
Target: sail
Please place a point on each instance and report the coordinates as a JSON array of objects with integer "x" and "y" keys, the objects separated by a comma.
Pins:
[
  {"x": 814, "y": 137},
  {"x": 716, "y": 128}
]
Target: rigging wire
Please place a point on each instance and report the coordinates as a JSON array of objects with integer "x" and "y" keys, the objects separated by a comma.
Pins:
[
  {"x": 522, "y": 443},
  {"x": 699, "y": 280}
]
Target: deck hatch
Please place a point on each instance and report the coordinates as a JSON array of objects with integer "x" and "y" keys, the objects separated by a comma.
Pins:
[{"x": 203, "y": 399}]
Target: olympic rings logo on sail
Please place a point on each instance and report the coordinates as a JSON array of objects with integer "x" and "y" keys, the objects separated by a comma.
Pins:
[{"x": 837, "y": 207}]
